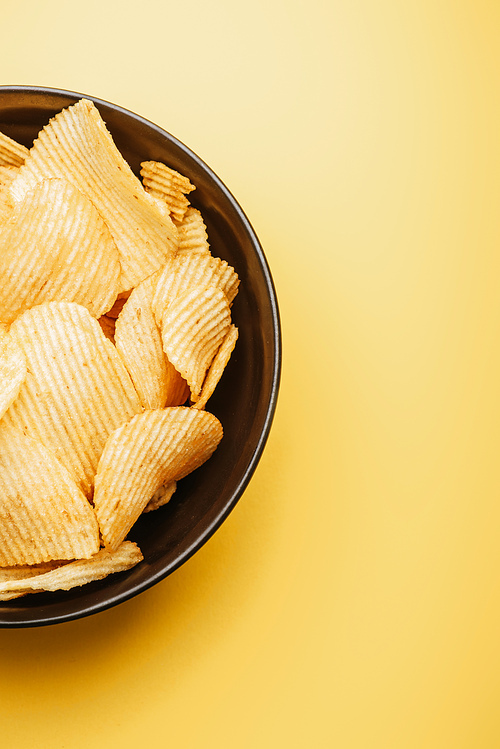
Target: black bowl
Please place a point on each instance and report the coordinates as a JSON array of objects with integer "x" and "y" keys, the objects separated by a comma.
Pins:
[{"x": 244, "y": 400}]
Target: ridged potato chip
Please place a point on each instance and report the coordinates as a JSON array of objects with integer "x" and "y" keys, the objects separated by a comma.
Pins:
[
  {"x": 227, "y": 278},
  {"x": 77, "y": 390},
  {"x": 192, "y": 233},
  {"x": 12, "y": 153},
  {"x": 7, "y": 175},
  {"x": 23, "y": 571},
  {"x": 168, "y": 185},
  {"x": 138, "y": 341},
  {"x": 43, "y": 514},
  {"x": 161, "y": 497},
  {"x": 188, "y": 271},
  {"x": 76, "y": 146},
  {"x": 153, "y": 449},
  {"x": 193, "y": 327},
  {"x": 12, "y": 594},
  {"x": 217, "y": 367},
  {"x": 57, "y": 247},
  {"x": 12, "y": 369},
  {"x": 79, "y": 572}
]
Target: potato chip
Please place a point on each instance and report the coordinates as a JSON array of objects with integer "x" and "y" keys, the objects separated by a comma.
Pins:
[
  {"x": 57, "y": 248},
  {"x": 217, "y": 367},
  {"x": 152, "y": 450},
  {"x": 76, "y": 146},
  {"x": 22, "y": 571},
  {"x": 43, "y": 514},
  {"x": 138, "y": 341},
  {"x": 192, "y": 233},
  {"x": 187, "y": 271},
  {"x": 77, "y": 390},
  {"x": 79, "y": 572},
  {"x": 193, "y": 328},
  {"x": 11, "y": 152},
  {"x": 168, "y": 185},
  {"x": 161, "y": 497},
  {"x": 227, "y": 278},
  {"x": 12, "y": 594},
  {"x": 12, "y": 369},
  {"x": 7, "y": 175}
]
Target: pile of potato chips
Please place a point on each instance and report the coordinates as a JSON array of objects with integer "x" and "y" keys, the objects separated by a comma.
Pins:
[{"x": 115, "y": 328}]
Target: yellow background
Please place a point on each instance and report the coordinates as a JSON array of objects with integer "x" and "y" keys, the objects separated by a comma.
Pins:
[{"x": 352, "y": 597}]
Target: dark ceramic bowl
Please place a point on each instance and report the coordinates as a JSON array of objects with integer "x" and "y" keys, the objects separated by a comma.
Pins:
[{"x": 244, "y": 400}]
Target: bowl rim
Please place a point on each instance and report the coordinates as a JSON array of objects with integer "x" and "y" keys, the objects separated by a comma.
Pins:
[{"x": 237, "y": 492}]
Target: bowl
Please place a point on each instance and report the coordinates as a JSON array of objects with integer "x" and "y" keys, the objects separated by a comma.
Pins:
[{"x": 244, "y": 400}]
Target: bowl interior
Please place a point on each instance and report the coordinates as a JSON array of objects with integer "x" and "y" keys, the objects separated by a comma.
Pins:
[{"x": 244, "y": 400}]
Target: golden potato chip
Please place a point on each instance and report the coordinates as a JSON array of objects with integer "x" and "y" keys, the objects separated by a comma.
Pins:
[
  {"x": 193, "y": 327},
  {"x": 11, "y": 152},
  {"x": 22, "y": 571},
  {"x": 12, "y": 369},
  {"x": 192, "y": 233},
  {"x": 188, "y": 271},
  {"x": 7, "y": 174},
  {"x": 161, "y": 497},
  {"x": 138, "y": 341},
  {"x": 43, "y": 514},
  {"x": 76, "y": 146},
  {"x": 12, "y": 594},
  {"x": 153, "y": 449},
  {"x": 79, "y": 572},
  {"x": 168, "y": 185},
  {"x": 217, "y": 367},
  {"x": 227, "y": 278},
  {"x": 77, "y": 390},
  {"x": 56, "y": 247}
]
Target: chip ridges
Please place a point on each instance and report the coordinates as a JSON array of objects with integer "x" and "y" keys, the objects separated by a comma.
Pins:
[
  {"x": 165, "y": 183},
  {"x": 188, "y": 271},
  {"x": 138, "y": 341},
  {"x": 153, "y": 449},
  {"x": 43, "y": 514},
  {"x": 78, "y": 572},
  {"x": 77, "y": 390},
  {"x": 217, "y": 367},
  {"x": 7, "y": 175},
  {"x": 56, "y": 247},
  {"x": 193, "y": 328},
  {"x": 77, "y": 146},
  {"x": 12, "y": 153},
  {"x": 12, "y": 369},
  {"x": 192, "y": 233}
]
